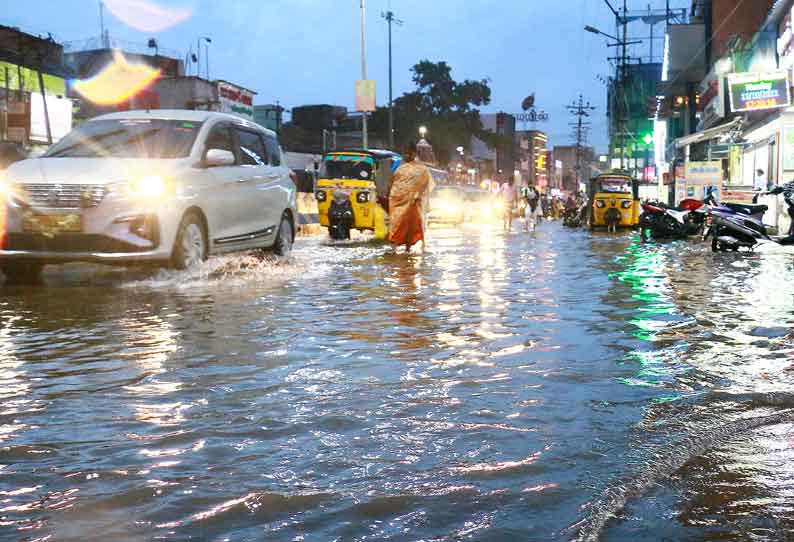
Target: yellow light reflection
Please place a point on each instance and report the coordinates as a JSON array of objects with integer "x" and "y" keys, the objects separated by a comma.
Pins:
[
  {"x": 118, "y": 82},
  {"x": 147, "y": 16}
]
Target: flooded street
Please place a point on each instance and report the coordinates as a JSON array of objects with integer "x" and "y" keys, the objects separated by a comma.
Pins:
[{"x": 556, "y": 386}]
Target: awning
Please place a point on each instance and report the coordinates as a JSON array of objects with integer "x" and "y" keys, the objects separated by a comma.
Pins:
[{"x": 707, "y": 135}]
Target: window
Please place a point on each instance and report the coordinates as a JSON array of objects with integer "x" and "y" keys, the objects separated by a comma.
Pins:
[
  {"x": 273, "y": 150},
  {"x": 220, "y": 138},
  {"x": 252, "y": 150},
  {"x": 128, "y": 138}
]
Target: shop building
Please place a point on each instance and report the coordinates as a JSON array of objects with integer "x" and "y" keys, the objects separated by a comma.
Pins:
[{"x": 34, "y": 108}]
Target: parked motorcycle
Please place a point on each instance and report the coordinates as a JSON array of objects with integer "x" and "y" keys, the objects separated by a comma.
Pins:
[
  {"x": 737, "y": 225},
  {"x": 659, "y": 221}
]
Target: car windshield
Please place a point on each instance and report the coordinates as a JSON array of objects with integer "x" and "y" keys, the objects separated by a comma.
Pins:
[
  {"x": 128, "y": 138},
  {"x": 347, "y": 167},
  {"x": 480, "y": 195},
  {"x": 614, "y": 185}
]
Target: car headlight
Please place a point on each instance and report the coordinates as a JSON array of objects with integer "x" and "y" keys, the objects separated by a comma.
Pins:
[
  {"x": 362, "y": 197},
  {"x": 321, "y": 195},
  {"x": 149, "y": 187},
  {"x": 600, "y": 203},
  {"x": 11, "y": 192},
  {"x": 449, "y": 207},
  {"x": 626, "y": 204},
  {"x": 152, "y": 186}
]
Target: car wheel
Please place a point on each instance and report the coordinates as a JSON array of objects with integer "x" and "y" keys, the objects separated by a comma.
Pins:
[
  {"x": 284, "y": 238},
  {"x": 22, "y": 272},
  {"x": 190, "y": 247}
]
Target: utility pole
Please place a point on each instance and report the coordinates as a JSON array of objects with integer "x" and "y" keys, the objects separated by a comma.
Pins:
[
  {"x": 364, "y": 135},
  {"x": 389, "y": 16},
  {"x": 623, "y": 87},
  {"x": 580, "y": 110}
]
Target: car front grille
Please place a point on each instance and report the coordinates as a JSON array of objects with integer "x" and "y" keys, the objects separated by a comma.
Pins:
[
  {"x": 68, "y": 242},
  {"x": 64, "y": 196}
]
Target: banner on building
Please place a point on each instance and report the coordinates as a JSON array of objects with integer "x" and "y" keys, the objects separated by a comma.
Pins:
[
  {"x": 236, "y": 100},
  {"x": 365, "y": 95},
  {"x": 759, "y": 91},
  {"x": 703, "y": 173},
  {"x": 788, "y": 147}
]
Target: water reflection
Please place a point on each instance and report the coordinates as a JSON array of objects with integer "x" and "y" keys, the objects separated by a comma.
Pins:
[{"x": 488, "y": 388}]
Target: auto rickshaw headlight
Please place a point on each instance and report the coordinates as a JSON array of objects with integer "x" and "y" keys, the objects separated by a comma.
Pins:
[
  {"x": 362, "y": 197},
  {"x": 321, "y": 195},
  {"x": 626, "y": 204},
  {"x": 600, "y": 203}
]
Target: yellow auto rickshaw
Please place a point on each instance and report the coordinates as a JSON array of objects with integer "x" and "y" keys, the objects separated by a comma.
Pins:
[
  {"x": 353, "y": 189},
  {"x": 614, "y": 201}
]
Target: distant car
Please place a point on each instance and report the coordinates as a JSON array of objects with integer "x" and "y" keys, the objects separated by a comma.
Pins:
[
  {"x": 167, "y": 187},
  {"x": 447, "y": 205},
  {"x": 483, "y": 205}
]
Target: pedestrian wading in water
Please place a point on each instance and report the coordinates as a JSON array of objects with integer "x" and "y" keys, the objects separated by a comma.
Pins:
[{"x": 409, "y": 195}]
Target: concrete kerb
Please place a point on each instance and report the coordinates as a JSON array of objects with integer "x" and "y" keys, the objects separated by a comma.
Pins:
[{"x": 308, "y": 214}]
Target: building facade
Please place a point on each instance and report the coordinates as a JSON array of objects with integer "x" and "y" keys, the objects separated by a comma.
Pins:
[
  {"x": 725, "y": 109},
  {"x": 32, "y": 75}
]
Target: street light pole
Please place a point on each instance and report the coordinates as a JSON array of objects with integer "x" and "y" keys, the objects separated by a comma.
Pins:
[
  {"x": 389, "y": 16},
  {"x": 623, "y": 92},
  {"x": 364, "y": 134}
]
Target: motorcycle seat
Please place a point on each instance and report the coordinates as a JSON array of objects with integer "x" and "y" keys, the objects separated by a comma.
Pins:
[{"x": 747, "y": 209}]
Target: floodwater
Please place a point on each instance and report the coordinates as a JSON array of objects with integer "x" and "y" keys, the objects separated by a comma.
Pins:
[{"x": 556, "y": 386}]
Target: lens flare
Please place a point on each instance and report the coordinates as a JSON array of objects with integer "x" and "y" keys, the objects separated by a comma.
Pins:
[
  {"x": 147, "y": 16},
  {"x": 118, "y": 82}
]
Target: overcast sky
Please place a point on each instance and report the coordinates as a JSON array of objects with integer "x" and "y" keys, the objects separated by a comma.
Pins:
[{"x": 308, "y": 51}]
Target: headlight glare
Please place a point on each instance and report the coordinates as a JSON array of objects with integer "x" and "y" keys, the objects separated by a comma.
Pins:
[
  {"x": 145, "y": 187},
  {"x": 149, "y": 187}
]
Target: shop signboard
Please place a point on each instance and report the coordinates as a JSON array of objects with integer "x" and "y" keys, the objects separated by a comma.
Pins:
[
  {"x": 759, "y": 91},
  {"x": 235, "y": 100},
  {"x": 59, "y": 111},
  {"x": 365, "y": 95},
  {"x": 788, "y": 147},
  {"x": 703, "y": 173},
  {"x": 737, "y": 196},
  {"x": 712, "y": 99}
]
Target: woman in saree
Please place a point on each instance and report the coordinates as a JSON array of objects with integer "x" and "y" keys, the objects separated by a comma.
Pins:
[{"x": 409, "y": 194}]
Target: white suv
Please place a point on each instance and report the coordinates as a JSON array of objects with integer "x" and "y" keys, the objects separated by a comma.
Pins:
[{"x": 168, "y": 187}]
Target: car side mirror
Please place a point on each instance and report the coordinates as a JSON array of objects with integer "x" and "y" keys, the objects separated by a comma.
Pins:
[{"x": 219, "y": 157}]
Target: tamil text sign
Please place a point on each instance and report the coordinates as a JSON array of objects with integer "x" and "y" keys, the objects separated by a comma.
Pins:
[
  {"x": 236, "y": 100},
  {"x": 365, "y": 95},
  {"x": 757, "y": 91},
  {"x": 703, "y": 173}
]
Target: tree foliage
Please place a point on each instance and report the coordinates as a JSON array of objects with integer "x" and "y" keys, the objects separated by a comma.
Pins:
[{"x": 448, "y": 108}]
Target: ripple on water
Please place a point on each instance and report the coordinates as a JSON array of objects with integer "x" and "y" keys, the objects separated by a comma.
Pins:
[{"x": 487, "y": 388}]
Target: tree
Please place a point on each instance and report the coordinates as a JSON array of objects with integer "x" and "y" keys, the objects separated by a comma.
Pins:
[{"x": 448, "y": 108}]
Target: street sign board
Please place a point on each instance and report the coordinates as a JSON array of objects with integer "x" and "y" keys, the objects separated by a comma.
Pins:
[
  {"x": 365, "y": 95},
  {"x": 703, "y": 173},
  {"x": 532, "y": 116},
  {"x": 759, "y": 91}
]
